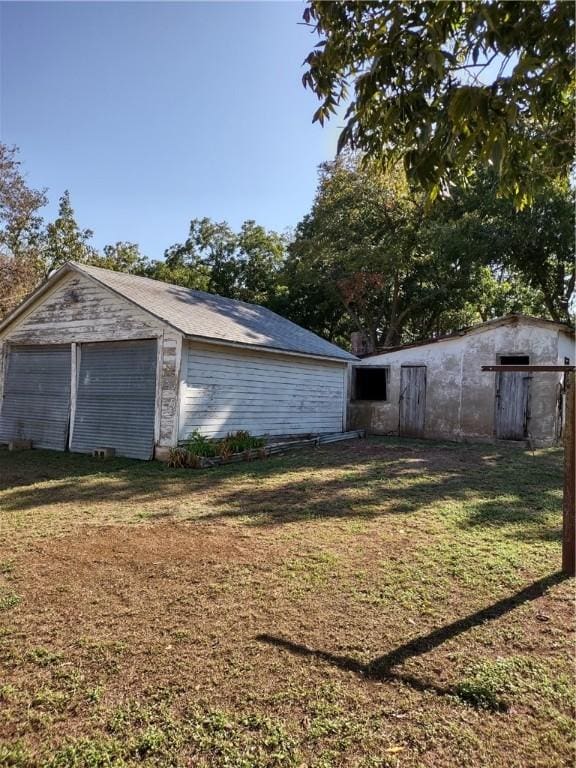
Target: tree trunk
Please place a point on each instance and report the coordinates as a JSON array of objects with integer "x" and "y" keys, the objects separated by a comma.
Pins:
[{"x": 394, "y": 332}]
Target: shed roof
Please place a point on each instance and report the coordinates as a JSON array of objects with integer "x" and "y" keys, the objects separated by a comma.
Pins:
[
  {"x": 513, "y": 318},
  {"x": 201, "y": 315}
]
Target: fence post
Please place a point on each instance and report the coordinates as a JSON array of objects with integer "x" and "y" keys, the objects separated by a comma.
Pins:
[{"x": 569, "y": 505}]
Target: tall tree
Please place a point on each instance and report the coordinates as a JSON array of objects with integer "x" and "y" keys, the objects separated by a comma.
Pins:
[
  {"x": 369, "y": 258},
  {"x": 445, "y": 84},
  {"x": 358, "y": 242},
  {"x": 122, "y": 256},
  {"x": 243, "y": 265},
  {"x": 362, "y": 246},
  {"x": 20, "y": 231},
  {"x": 533, "y": 248},
  {"x": 65, "y": 240}
]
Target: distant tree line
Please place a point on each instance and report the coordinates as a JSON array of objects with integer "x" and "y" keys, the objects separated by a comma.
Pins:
[{"x": 370, "y": 256}]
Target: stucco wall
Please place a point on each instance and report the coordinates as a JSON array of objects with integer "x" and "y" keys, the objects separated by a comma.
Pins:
[
  {"x": 442, "y": 361},
  {"x": 566, "y": 348},
  {"x": 460, "y": 398}
]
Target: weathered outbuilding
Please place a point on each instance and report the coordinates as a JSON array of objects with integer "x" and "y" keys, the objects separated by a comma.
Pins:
[
  {"x": 436, "y": 388},
  {"x": 96, "y": 359}
]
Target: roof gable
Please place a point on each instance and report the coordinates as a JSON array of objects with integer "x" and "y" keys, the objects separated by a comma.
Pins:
[
  {"x": 74, "y": 307},
  {"x": 513, "y": 319},
  {"x": 200, "y": 315}
]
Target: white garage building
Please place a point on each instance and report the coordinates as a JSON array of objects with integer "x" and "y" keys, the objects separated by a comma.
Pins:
[{"x": 99, "y": 359}]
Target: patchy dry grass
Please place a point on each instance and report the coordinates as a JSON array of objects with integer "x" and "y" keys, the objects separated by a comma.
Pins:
[{"x": 382, "y": 603}]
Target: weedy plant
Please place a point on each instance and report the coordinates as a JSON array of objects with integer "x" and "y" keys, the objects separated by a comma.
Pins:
[
  {"x": 199, "y": 447},
  {"x": 8, "y": 601},
  {"x": 238, "y": 442},
  {"x": 178, "y": 458}
]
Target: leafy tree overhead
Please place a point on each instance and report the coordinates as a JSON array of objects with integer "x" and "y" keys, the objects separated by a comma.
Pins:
[
  {"x": 444, "y": 85},
  {"x": 359, "y": 244},
  {"x": 205, "y": 260},
  {"x": 121, "y": 257},
  {"x": 18, "y": 277},
  {"x": 530, "y": 252},
  {"x": 31, "y": 250},
  {"x": 362, "y": 246},
  {"x": 368, "y": 257},
  {"x": 20, "y": 220},
  {"x": 543, "y": 249},
  {"x": 262, "y": 254}
]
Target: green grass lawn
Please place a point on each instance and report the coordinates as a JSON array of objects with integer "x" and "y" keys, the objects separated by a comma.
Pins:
[{"x": 375, "y": 603}]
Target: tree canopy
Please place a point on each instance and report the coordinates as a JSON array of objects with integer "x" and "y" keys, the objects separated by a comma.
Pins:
[
  {"x": 30, "y": 248},
  {"x": 531, "y": 251},
  {"x": 369, "y": 256},
  {"x": 443, "y": 85},
  {"x": 21, "y": 232},
  {"x": 122, "y": 256},
  {"x": 242, "y": 265}
]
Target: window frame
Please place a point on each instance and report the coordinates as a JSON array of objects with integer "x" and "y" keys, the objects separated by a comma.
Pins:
[{"x": 354, "y": 389}]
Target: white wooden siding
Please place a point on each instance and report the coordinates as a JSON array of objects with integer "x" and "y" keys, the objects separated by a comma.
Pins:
[{"x": 223, "y": 391}]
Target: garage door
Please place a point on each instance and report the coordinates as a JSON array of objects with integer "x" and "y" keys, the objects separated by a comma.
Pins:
[
  {"x": 36, "y": 402},
  {"x": 115, "y": 401}
]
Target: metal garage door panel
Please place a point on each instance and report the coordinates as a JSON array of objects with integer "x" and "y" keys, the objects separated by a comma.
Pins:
[
  {"x": 36, "y": 402},
  {"x": 115, "y": 401}
]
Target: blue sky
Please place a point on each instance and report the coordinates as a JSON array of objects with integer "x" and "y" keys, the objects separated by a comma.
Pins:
[{"x": 155, "y": 113}]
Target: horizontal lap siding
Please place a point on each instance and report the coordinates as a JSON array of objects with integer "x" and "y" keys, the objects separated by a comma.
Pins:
[{"x": 225, "y": 391}]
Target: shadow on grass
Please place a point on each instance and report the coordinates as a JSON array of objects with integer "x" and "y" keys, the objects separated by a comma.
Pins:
[
  {"x": 364, "y": 479},
  {"x": 380, "y": 669},
  {"x": 25, "y": 468}
]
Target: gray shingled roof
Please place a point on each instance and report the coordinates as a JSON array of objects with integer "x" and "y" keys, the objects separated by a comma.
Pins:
[{"x": 208, "y": 316}]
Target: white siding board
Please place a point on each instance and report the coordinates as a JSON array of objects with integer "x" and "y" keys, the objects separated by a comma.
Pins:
[
  {"x": 224, "y": 391},
  {"x": 213, "y": 406}
]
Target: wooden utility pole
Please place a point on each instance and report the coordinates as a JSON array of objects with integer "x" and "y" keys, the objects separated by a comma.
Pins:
[
  {"x": 569, "y": 503},
  {"x": 569, "y": 429}
]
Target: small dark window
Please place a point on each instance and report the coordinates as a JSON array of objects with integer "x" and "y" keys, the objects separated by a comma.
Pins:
[
  {"x": 370, "y": 383},
  {"x": 514, "y": 360}
]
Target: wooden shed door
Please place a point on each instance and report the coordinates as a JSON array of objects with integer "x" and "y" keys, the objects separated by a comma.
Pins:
[
  {"x": 412, "y": 400},
  {"x": 512, "y": 395},
  {"x": 115, "y": 402}
]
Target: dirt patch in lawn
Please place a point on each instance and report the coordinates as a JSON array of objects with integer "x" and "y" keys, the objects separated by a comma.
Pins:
[{"x": 339, "y": 611}]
